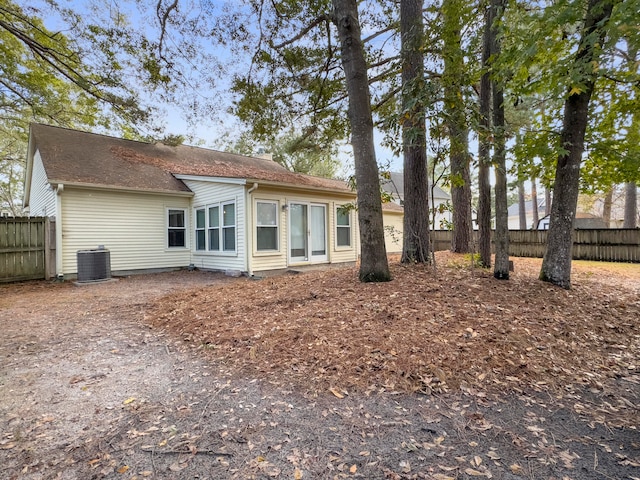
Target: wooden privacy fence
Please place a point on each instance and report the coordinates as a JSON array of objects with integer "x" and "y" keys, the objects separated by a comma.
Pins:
[
  {"x": 606, "y": 245},
  {"x": 26, "y": 248}
]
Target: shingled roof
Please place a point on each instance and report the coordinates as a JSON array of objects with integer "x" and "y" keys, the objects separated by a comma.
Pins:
[{"x": 75, "y": 157}]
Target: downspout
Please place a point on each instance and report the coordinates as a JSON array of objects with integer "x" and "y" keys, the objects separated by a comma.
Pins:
[
  {"x": 59, "y": 272},
  {"x": 249, "y": 229}
]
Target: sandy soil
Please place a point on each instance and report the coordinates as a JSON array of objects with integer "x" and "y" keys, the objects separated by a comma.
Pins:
[{"x": 144, "y": 377}]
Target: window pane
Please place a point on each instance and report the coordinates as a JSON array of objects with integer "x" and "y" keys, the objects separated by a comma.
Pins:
[
  {"x": 267, "y": 238},
  {"x": 229, "y": 239},
  {"x": 214, "y": 217},
  {"x": 343, "y": 236},
  {"x": 214, "y": 239},
  {"x": 176, "y": 237},
  {"x": 176, "y": 218},
  {"x": 229, "y": 216},
  {"x": 267, "y": 214},
  {"x": 342, "y": 218},
  {"x": 200, "y": 237},
  {"x": 200, "y": 218}
]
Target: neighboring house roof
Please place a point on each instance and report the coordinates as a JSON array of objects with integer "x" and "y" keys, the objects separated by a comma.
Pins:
[
  {"x": 513, "y": 210},
  {"x": 395, "y": 185},
  {"x": 75, "y": 157},
  {"x": 392, "y": 207}
]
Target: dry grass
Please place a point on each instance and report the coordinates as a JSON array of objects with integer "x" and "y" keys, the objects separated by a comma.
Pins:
[{"x": 428, "y": 330}]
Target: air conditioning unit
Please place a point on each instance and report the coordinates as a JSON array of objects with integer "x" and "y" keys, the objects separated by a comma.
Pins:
[{"x": 94, "y": 265}]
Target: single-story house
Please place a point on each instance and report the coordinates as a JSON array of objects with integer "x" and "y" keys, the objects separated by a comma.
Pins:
[
  {"x": 582, "y": 220},
  {"x": 157, "y": 207},
  {"x": 513, "y": 213},
  {"x": 394, "y": 185}
]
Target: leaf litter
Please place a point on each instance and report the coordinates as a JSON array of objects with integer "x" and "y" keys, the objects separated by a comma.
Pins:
[{"x": 435, "y": 375}]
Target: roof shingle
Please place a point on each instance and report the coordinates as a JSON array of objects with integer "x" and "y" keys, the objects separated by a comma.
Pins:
[{"x": 73, "y": 156}]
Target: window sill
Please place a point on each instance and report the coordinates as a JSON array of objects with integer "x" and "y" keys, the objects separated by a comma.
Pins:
[
  {"x": 267, "y": 253},
  {"x": 215, "y": 254}
]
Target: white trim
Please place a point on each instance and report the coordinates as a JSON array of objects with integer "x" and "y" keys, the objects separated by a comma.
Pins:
[
  {"x": 309, "y": 258},
  {"x": 202, "y": 178},
  {"x": 59, "y": 239},
  {"x": 207, "y": 227},
  {"x": 350, "y": 227},
  {"x": 117, "y": 188},
  {"x": 277, "y": 226},
  {"x": 185, "y": 228}
]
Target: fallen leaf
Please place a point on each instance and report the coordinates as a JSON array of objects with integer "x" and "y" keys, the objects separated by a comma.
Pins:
[
  {"x": 447, "y": 469},
  {"x": 123, "y": 469},
  {"x": 493, "y": 455},
  {"x": 517, "y": 469},
  {"x": 336, "y": 392},
  {"x": 129, "y": 400},
  {"x": 297, "y": 474},
  {"x": 353, "y": 469},
  {"x": 474, "y": 473}
]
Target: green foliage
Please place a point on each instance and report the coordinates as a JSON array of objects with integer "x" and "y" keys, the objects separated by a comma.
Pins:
[
  {"x": 296, "y": 151},
  {"x": 537, "y": 62}
]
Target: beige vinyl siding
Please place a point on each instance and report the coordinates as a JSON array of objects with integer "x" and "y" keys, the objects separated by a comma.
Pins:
[
  {"x": 208, "y": 193},
  {"x": 42, "y": 197},
  {"x": 344, "y": 254},
  {"x": 393, "y": 231},
  {"x": 133, "y": 226},
  {"x": 261, "y": 261},
  {"x": 269, "y": 260}
]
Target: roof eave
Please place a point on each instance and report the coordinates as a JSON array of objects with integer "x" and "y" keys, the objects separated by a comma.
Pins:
[
  {"x": 298, "y": 186},
  {"x": 95, "y": 186}
]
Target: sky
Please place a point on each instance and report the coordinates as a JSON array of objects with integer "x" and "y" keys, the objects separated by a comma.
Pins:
[{"x": 207, "y": 131}]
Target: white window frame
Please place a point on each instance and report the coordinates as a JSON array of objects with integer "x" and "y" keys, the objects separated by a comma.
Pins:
[
  {"x": 184, "y": 228},
  {"x": 349, "y": 227},
  {"x": 224, "y": 227},
  {"x": 220, "y": 228},
  {"x": 276, "y": 204},
  {"x": 202, "y": 229},
  {"x": 210, "y": 228}
]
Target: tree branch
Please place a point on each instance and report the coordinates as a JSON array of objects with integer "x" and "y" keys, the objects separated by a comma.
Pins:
[{"x": 316, "y": 21}]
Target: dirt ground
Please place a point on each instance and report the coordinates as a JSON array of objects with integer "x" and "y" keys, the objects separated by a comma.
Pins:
[{"x": 445, "y": 374}]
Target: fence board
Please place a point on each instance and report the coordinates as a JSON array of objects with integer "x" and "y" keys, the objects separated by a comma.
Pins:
[
  {"x": 606, "y": 245},
  {"x": 23, "y": 248}
]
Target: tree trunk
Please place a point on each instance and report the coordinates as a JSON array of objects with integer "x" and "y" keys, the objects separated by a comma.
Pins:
[
  {"x": 630, "y": 205},
  {"x": 522, "y": 206},
  {"x": 547, "y": 201},
  {"x": 415, "y": 246},
  {"x": 453, "y": 81},
  {"x": 534, "y": 203},
  {"x": 501, "y": 268},
  {"x": 556, "y": 265},
  {"x": 606, "y": 207},
  {"x": 374, "y": 266},
  {"x": 484, "y": 148}
]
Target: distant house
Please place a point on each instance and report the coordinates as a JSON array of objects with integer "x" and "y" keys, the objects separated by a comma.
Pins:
[
  {"x": 395, "y": 186},
  {"x": 158, "y": 207},
  {"x": 513, "y": 212},
  {"x": 582, "y": 220}
]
